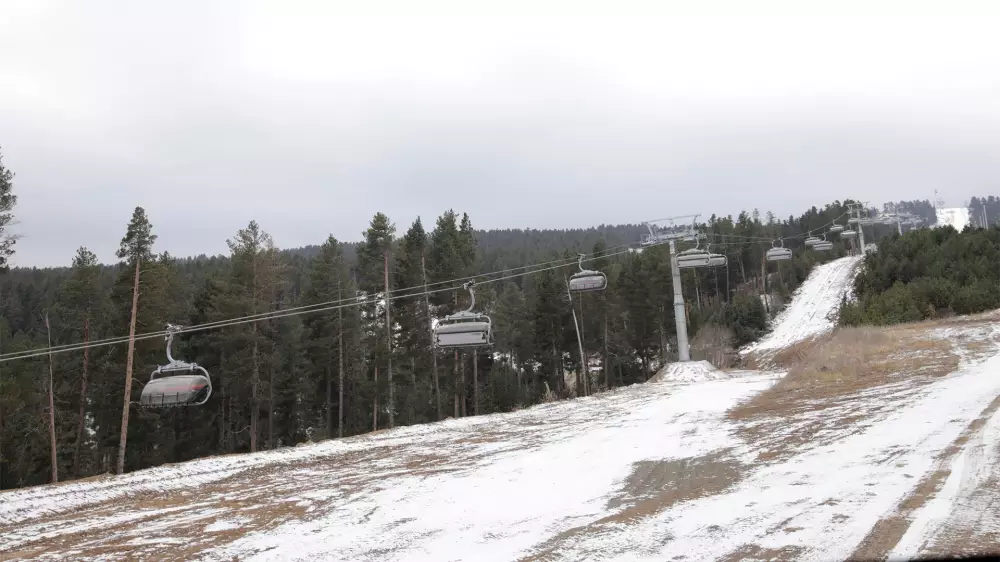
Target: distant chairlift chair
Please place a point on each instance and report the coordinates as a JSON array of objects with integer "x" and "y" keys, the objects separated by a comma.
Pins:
[
  {"x": 695, "y": 257},
  {"x": 587, "y": 280},
  {"x": 465, "y": 328},
  {"x": 177, "y": 383},
  {"x": 778, "y": 252}
]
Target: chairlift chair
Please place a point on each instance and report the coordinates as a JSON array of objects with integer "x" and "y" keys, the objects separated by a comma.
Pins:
[
  {"x": 823, "y": 246},
  {"x": 812, "y": 241},
  {"x": 779, "y": 252},
  {"x": 465, "y": 328},
  {"x": 849, "y": 234},
  {"x": 716, "y": 260},
  {"x": 178, "y": 383},
  {"x": 587, "y": 280},
  {"x": 836, "y": 228}
]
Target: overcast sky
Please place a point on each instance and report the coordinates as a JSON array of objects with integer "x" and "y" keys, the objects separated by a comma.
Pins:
[{"x": 311, "y": 116}]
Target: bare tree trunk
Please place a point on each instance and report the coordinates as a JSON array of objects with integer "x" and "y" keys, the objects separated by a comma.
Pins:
[
  {"x": 697, "y": 288},
  {"x": 727, "y": 281},
  {"x": 585, "y": 368},
  {"x": 83, "y": 400},
  {"x": 464, "y": 389},
  {"x": 52, "y": 407},
  {"x": 375, "y": 405},
  {"x": 270, "y": 407},
  {"x": 411, "y": 410},
  {"x": 254, "y": 393},
  {"x": 475, "y": 383},
  {"x": 457, "y": 410},
  {"x": 607, "y": 380},
  {"x": 329, "y": 401},
  {"x": 340, "y": 364},
  {"x": 434, "y": 359},
  {"x": 128, "y": 371},
  {"x": 388, "y": 343}
]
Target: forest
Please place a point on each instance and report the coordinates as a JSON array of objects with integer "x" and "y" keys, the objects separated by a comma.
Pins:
[
  {"x": 929, "y": 273},
  {"x": 312, "y": 357}
]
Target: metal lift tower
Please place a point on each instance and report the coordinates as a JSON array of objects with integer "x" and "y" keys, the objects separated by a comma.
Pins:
[{"x": 672, "y": 230}]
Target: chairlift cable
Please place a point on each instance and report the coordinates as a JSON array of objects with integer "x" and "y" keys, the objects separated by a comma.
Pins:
[
  {"x": 332, "y": 305},
  {"x": 401, "y": 293}
]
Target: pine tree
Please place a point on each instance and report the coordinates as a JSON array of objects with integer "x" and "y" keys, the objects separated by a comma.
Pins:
[
  {"x": 135, "y": 248},
  {"x": 328, "y": 282},
  {"x": 412, "y": 315},
  {"x": 7, "y": 202},
  {"x": 255, "y": 279},
  {"x": 80, "y": 307},
  {"x": 373, "y": 263}
]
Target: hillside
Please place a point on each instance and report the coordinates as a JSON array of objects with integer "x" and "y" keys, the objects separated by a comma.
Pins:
[{"x": 739, "y": 470}]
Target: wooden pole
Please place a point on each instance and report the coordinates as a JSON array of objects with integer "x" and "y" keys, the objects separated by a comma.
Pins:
[
  {"x": 475, "y": 382},
  {"x": 340, "y": 366},
  {"x": 52, "y": 407},
  {"x": 128, "y": 371},
  {"x": 83, "y": 399},
  {"x": 434, "y": 359},
  {"x": 388, "y": 342}
]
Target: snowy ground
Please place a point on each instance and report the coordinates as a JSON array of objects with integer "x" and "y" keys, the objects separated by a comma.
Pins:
[
  {"x": 656, "y": 471},
  {"x": 697, "y": 464},
  {"x": 814, "y": 307},
  {"x": 957, "y": 217}
]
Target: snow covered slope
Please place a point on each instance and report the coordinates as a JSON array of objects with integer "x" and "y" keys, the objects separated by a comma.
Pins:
[
  {"x": 655, "y": 471},
  {"x": 957, "y": 217},
  {"x": 692, "y": 371},
  {"x": 814, "y": 306}
]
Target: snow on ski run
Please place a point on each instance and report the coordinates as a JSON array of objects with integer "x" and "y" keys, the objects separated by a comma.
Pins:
[
  {"x": 814, "y": 307},
  {"x": 655, "y": 471},
  {"x": 957, "y": 217}
]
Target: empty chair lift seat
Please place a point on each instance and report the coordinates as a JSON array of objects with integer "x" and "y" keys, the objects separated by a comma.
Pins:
[
  {"x": 717, "y": 260},
  {"x": 778, "y": 254},
  {"x": 463, "y": 330},
  {"x": 692, "y": 258},
  {"x": 587, "y": 281},
  {"x": 176, "y": 390}
]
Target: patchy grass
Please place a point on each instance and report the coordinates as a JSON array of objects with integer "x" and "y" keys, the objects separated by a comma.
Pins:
[
  {"x": 825, "y": 376},
  {"x": 848, "y": 361}
]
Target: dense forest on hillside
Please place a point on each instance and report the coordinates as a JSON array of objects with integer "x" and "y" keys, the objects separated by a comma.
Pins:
[
  {"x": 925, "y": 274},
  {"x": 328, "y": 367},
  {"x": 983, "y": 209}
]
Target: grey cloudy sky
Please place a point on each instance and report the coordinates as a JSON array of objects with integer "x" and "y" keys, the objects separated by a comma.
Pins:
[{"x": 311, "y": 116}]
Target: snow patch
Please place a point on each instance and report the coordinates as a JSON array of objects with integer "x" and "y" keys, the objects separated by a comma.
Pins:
[
  {"x": 814, "y": 307},
  {"x": 691, "y": 371},
  {"x": 957, "y": 217}
]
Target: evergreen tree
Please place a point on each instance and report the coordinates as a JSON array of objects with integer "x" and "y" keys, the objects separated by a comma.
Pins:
[
  {"x": 328, "y": 282},
  {"x": 7, "y": 201},
  {"x": 373, "y": 264},
  {"x": 136, "y": 247}
]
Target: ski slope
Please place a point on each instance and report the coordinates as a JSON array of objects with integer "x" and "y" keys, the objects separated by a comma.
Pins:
[
  {"x": 957, "y": 217},
  {"x": 814, "y": 307},
  {"x": 655, "y": 471}
]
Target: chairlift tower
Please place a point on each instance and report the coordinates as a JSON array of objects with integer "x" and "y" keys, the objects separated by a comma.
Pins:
[
  {"x": 856, "y": 210},
  {"x": 673, "y": 230}
]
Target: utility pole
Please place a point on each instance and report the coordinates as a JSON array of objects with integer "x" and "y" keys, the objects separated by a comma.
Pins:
[{"x": 673, "y": 231}]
